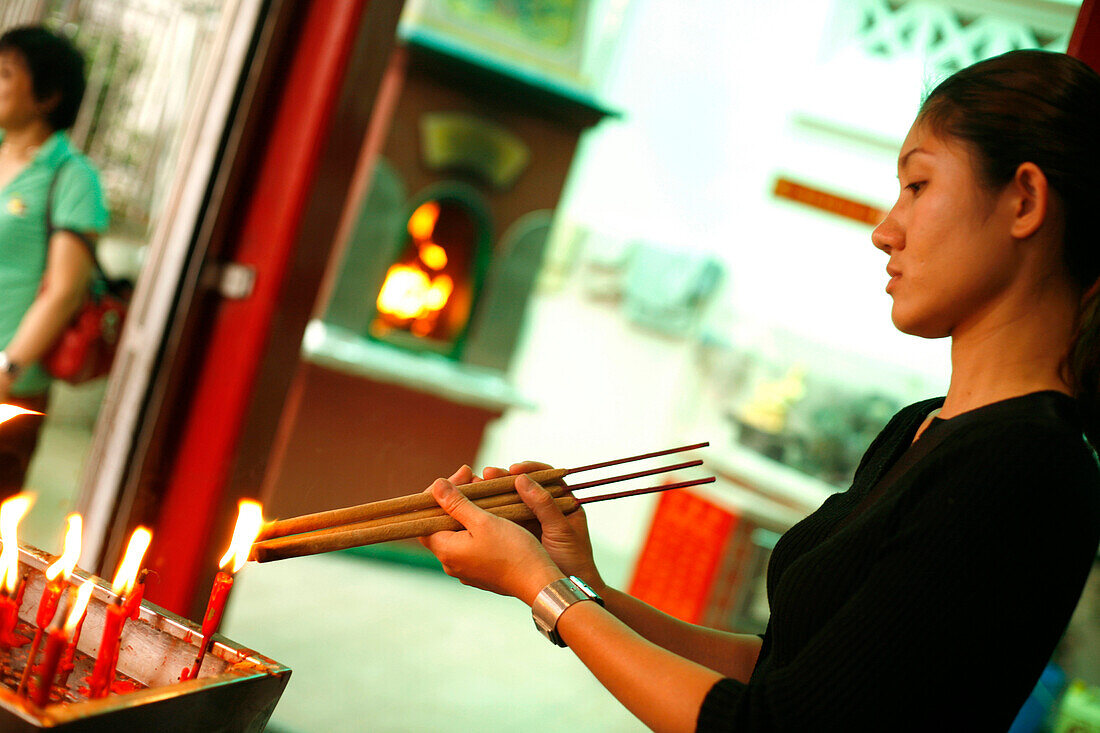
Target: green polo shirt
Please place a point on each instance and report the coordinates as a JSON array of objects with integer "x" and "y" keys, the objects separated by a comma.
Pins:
[{"x": 78, "y": 204}]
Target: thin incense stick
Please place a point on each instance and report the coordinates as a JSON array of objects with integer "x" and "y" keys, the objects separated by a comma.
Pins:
[
  {"x": 422, "y": 500},
  {"x": 315, "y": 543},
  {"x": 636, "y": 474},
  {"x": 642, "y": 457},
  {"x": 649, "y": 490}
]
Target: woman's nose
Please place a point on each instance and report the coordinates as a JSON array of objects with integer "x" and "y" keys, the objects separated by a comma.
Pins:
[{"x": 888, "y": 235}]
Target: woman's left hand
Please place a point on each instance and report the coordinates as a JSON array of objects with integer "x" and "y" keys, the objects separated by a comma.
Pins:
[{"x": 492, "y": 553}]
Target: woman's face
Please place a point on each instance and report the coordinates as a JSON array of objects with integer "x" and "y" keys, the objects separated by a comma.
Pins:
[
  {"x": 18, "y": 105},
  {"x": 951, "y": 254}
]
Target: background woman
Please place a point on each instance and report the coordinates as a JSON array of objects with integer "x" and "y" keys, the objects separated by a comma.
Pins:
[
  {"x": 44, "y": 275},
  {"x": 934, "y": 590}
]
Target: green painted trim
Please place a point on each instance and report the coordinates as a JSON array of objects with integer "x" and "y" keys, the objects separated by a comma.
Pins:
[{"x": 484, "y": 67}]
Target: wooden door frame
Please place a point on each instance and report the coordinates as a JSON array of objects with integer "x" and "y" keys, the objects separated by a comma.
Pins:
[{"x": 243, "y": 353}]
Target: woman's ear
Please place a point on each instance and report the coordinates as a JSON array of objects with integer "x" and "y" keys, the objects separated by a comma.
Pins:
[{"x": 1031, "y": 199}]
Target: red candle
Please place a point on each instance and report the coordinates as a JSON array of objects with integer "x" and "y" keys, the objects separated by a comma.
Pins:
[
  {"x": 11, "y": 593},
  {"x": 57, "y": 575},
  {"x": 215, "y": 607},
  {"x": 56, "y": 640},
  {"x": 103, "y": 673},
  {"x": 133, "y": 601},
  {"x": 47, "y": 605},
  {"x": 249, "y": 522},
  {"x": 9, "y": 617},
  {"x": 8, "y": 614},
  {"x": 76, "y": 620},
  {"x": 65, "y": 666}
]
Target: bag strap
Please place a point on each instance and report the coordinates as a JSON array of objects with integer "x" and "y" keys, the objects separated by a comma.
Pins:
[{"x": 79, "y": 235}]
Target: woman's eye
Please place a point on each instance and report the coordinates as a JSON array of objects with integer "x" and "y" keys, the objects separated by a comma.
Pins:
[{"x": 916, "y": 186}]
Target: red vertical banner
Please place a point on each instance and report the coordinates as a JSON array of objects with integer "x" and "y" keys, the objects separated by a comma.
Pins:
[
  {"x": 1085, "y": 41},
  {"x": 240, "y": 330},
  {"x": 679, "y": 563}
]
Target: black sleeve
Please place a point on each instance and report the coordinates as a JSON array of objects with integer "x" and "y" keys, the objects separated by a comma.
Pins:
[{"x": 964, "y": 602}]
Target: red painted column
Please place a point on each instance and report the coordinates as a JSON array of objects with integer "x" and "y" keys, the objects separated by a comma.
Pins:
[
  {"x": 1085, "y": 41},
  {"x": 240, "y": 331}
]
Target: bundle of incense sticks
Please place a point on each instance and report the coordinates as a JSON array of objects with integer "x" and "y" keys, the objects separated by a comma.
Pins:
[{"x": 417, "y": 515}]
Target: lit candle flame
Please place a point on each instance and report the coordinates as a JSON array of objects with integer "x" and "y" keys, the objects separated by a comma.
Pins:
[
  {"x": 7, "y": 412},
  {"x": 79, "y": 606},
  {"x": 11, "y": 511},
  {"x": 250, "y": 520},
  {"x": 64, "y": 565},
  {"x": 126, "y": 575}
]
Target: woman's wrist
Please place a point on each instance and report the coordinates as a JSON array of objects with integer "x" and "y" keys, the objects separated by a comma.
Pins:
[{"x": 540, "y": 580}]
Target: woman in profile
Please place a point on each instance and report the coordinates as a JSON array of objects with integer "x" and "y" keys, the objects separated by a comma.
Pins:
[
  {"x": 45, "y": 256},
  {"x": 932, "y": 593}
]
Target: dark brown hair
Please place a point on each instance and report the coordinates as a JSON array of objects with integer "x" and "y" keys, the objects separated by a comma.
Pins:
[
  {"x": 56, "y": 68},
  {"x": 1043, "y": 108}
]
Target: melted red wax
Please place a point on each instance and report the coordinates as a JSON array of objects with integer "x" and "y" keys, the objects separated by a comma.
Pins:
[
  {"x": 9, "y": 617},
  {"x": 11, "y": 639},
  {"x": 121, "y": 687}
]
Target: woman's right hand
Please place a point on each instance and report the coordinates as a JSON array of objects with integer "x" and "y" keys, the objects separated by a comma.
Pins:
[{"x": 564, "y": 537}]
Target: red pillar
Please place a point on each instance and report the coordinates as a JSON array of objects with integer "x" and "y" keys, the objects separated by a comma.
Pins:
[
  {"x": 240, "y": 331},
  {"x": 1085, "y": 41}
]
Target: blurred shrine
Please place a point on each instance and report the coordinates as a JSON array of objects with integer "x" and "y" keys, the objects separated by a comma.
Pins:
[{"x": 426, "y": 298}]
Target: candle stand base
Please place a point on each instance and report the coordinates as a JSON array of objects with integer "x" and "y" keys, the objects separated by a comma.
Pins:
[{"x": 236, "y": 690}]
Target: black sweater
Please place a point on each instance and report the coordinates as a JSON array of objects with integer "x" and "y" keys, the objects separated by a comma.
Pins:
[{"x": 933, "y": 599}]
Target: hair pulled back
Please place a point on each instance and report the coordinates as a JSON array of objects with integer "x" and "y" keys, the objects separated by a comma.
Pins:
[
  {"x": 1043, "y": 108},
  {"x": 56, "y": 69}
]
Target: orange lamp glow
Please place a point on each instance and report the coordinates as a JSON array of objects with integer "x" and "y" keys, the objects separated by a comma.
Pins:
[
  {"x": 250, "y": 520},
  {"x": 402, "y": 293},
  {"x": 64, "y": 565},
  {"x": 409, "y": 293},
  {"x": 438, "y": 293},
  {"x": 11, "y": 511},
  {"x": 422, "y": 222},
  {"x": 126, "y": 575},
  {"x": 432, "y": 255}
]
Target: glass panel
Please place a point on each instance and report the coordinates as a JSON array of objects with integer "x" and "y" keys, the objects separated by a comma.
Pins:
[{"x": 142, "y": 59}]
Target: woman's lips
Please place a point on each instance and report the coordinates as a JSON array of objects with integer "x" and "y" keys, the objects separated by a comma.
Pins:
[{"x": 894, "y": 277}]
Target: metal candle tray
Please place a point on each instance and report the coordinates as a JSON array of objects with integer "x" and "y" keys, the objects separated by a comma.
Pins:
[{"x": 236, "y": 690}]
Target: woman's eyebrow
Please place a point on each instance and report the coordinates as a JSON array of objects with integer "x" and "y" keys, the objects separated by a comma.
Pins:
[{"x": 904, "y": 159}]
